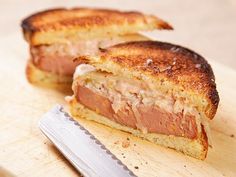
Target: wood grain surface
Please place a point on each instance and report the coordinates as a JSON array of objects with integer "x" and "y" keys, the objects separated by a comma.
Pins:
[{"x": 24, "y": 150}]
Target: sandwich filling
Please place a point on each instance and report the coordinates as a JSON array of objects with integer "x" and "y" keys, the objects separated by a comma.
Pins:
[
  {"x": 59, "y": 58},
  {"x": 133, "y": 103}
]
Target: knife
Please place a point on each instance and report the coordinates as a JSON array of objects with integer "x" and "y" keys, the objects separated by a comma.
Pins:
[{"x": 86, "y": 153}]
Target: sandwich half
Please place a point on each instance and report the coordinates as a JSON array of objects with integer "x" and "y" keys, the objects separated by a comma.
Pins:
[
  {"x": 158, "y": 91},
  {"x": 57, "y": 36}
]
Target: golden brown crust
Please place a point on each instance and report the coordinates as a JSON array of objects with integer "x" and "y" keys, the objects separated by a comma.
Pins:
[
  {"x": 166, "y": 61},
  {"x": 87, "y": 20}
]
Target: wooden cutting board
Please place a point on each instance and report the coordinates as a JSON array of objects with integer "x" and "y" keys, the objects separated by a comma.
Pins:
[{"x": 24, "y": 150}]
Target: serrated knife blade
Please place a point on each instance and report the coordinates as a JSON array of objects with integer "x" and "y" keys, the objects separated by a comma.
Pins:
[{"x": 87, "y": 154}]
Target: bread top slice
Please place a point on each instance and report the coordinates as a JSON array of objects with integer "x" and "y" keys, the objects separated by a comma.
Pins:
[
  {"x": 61, "y": 25},
  {"x": 169, "y": 68}
]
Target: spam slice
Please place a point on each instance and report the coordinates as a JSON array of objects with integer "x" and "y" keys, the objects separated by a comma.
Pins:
[{"x": 159, "y": 91}]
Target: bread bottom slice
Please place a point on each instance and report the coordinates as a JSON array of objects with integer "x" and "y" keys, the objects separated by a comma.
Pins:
[
  {"x": 196, "y": 148},
  {"x": 47, "y": 79}
]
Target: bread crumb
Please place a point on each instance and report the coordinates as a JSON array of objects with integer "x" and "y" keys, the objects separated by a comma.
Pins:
[
  {"x": 136, "y": 167},
  {"x": 68, "y": 99},
  {"x": 125, "y": 144},
  {"x": 198, "y": 66},
  {"x": 174, "y": 49},
  {"x": 116, "y": 142},
  {"x": 149, "y": 61},
  {"x": 165, "y": 69},
  {"x": 174, "y": 61}
]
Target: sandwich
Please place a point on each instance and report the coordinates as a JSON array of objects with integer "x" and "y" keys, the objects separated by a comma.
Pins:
[
  {"x": 57, "y": 36},
  {"x": 161, "y": 92}
]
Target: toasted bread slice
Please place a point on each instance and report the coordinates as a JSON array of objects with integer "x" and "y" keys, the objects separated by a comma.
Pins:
[
  {"x": 63, "y": 25},
  {"x": 183, "y": 80}
]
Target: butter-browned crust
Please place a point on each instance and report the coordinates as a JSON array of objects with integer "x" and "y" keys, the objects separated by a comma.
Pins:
[
  {"x": 58, "y": 25},
  {"x": 166, "y": 63}
]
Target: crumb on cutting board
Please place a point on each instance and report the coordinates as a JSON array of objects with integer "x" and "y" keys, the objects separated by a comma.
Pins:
[
  {"x": 125, "y": 144},
  {"x": 116, "y": 142}
]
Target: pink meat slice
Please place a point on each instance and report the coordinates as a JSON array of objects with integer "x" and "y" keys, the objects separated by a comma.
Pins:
[
  {"x": 59, "y": 58},
  {"x": 58, "y": 65},
  {"x": 54, "y": 61},
  {"x": 154, "y": 119}
]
